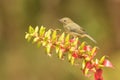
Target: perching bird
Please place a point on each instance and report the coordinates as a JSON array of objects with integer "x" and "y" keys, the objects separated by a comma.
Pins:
[{"x": 74, "y": 29}]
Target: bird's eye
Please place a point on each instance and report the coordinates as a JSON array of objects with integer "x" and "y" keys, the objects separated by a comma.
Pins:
[{"x": 64, "y": 20}]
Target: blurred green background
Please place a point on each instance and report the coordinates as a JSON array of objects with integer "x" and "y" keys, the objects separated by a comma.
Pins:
[{"x": 20, "y": 60}]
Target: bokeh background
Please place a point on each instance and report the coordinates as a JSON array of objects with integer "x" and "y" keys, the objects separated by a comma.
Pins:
[{"x": 20, "y": 60}]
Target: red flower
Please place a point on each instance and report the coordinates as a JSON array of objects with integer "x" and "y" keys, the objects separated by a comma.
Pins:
[
  {"x": 72, "y": 40},
  {"x": 62, "y": 48},
  {"x": 107, "y": 63},
  {"x": 75, "y": 55},
  {"x": 89, "y": 65},
  {"x": 98, "y": 74},
  {"x": 87, "y": 48},
  {"x": 88, "y": 68}
]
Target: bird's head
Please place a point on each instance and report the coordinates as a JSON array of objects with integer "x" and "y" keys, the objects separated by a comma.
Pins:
[{"x": 65, "y": 20}]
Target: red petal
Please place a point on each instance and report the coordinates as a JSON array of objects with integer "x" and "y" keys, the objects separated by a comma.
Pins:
[
  {"x": 98, "y": 74},
  {"x": 72, "y": 40},
  {"x": 89, "y": 65},
  {"x": 107, "y": 63},
  {"x": 87, "y": 48},
  {"x": 62, "y": 48},
  {"x": 75, "y": 55}
]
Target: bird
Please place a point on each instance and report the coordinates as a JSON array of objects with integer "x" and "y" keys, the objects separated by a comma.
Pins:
[{"x": 74, "y": 29}]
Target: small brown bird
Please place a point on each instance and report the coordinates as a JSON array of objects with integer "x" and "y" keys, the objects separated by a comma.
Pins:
[{"x": 74, "y": 29}]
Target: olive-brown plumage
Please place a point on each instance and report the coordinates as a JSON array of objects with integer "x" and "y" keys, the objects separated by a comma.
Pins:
[{"x": 74, "y": 29}]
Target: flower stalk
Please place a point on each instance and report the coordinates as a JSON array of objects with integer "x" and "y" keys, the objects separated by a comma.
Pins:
[{"x": 75, "y": 50}]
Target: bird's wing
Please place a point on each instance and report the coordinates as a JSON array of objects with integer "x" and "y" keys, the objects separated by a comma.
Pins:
[{"x": 76, "y": 28}]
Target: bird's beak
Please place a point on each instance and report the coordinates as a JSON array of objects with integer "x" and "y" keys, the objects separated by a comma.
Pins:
[{"x": 60, "y": 20}]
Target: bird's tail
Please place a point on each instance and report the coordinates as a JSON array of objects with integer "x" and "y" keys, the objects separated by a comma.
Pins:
[{"x": 86, "y": 35}]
